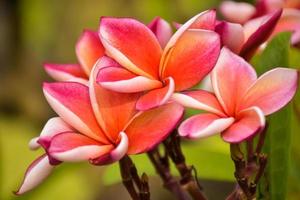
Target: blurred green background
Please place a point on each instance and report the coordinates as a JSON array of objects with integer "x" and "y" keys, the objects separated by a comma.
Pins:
[{"x": 35, "y": 31}]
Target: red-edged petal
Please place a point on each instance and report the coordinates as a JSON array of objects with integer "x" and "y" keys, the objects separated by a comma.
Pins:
[
  {"x": 121, "y": 80},
  {"x": 156, "y": 97},
  {"x": 199, "y": 99},
  {"x": 232, "y": 35},
  {"x": 132, "y": 44},
  {"x": 113, "y": 110},
  {"x": 272, "y": 90},
  {"x": 231, "y": 77},
  {"x": 248, "y": 123},
  {"x": 53, "y": 127},
  {"x": 75, "y": 147},
  {"x": 161, "y": 29},
  {"x": 115, "y": 154},
  {"x": 192, "y": 58},
  {"x": 151, "y": 127},
  {"x": 88, "y": 50},
  {"x": 64, "y": 72},
  {"x": 257, "y": 31},
  {"x": 35, "y": 174},
  {"x": 237, "y": 12},
  {"x": 205, "y": 20},
  {"x": 204, "y": 125},
  {"x": 71, "y": 102}
]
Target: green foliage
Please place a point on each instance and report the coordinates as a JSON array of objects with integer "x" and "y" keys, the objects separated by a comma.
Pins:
[{"x": 278, "y": 141}]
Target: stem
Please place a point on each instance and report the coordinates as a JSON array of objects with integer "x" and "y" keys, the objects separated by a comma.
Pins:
[
  {"x": 131, "y": 180},
  {"x": 162, "y": 167},
  {"x": 188, "y": 182},
  {"x": 248, "y": 170}
]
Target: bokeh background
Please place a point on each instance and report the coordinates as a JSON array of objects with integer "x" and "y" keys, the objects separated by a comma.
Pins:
[{"x": 35, "y": 31}]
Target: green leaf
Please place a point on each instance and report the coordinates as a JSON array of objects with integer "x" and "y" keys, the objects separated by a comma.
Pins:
[
  {"x": 205, "y": 155},
  {"x": 278, "y": 140}
]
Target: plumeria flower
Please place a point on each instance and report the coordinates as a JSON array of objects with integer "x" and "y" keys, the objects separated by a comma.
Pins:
[
  {"x": 95, "y": 125},
  {"x": 157, "y": 69},
  {"x": 240, "y": 101},
  {"x": 246, "y": 39},
  {"x": 245, "y": 13}
]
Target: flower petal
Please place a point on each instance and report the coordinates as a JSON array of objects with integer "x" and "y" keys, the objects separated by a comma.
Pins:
[
  {"x": 88, "y": 50},
  {"x": 132, "y": 44},
  {"x": 113, "y": 155},
  {"x": 192, "y": 58},
  {"x": 231, "y": 77},
  {"x": 257, "y": 31},
  {"x": 151, "y": 127},
  {"x": 113, "y": 110},
  {"x": 249, "y": 122},
  {"x": 75, "y": 147},
  {"x": 161, "y": 29},
  {"x": 156, "y": 97},
  {"x": 204, "y": 125},
  {"x": 237, "y": 12},
  {"x": 35, "y": 174},
  {"x": 64, "y": 72},
  {"x": 199, "y": 99},
  {"x": 272, "y": 90},
  {"x": 232, "y": 35},
  {"x": 71, "y": 102},
  {"x": 53, "y": 127},
  {"x": 121, "y": 80}
]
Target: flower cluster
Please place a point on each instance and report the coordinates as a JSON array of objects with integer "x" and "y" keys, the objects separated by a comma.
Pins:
[{"x": 132, "y": 81}]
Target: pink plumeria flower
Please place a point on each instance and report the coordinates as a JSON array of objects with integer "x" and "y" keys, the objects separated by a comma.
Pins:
[
  {"x": 247, "y": 14},
  {"x": 96, "y": 125},
  {"x": 141, "y": 65},
  {"x": 240, "y": 101},
  {"x": 89, "y": 49}
]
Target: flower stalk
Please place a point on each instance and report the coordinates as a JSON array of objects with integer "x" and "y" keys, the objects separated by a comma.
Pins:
[
  {"x": 248, "y": 169},
  {"x": 137, "y": 187},
  {"x": 188, "y": 181}
]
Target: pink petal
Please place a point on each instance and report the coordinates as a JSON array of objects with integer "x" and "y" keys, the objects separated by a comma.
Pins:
[
  {"x": 132, "y": 44},
  {"x": 35, "y": 174},
  {"x": 272, "y": 90},
  {"x": 88, "y": 50},
  {"x": 114, "y": 155},
  {"x": 151, "y": 127},
  {"x": 257, "y": 31},
  {"x": 232, "y": 35},
  {"x": 161, "y": 29},
  {"x": 121, "y": 80},
  {"x": 71, "y": 102},
  {"x": 53, "y": 127},
  {"x": 204, "y": 125},
  {"x": 205, "y": 20},
  {"x": 75, "y": 147},
  {"x": 64, "y": 72},
  {"x": 248, "y": 123},
  {"x": 201, "y": 100},
  {"x": 192, "y": 58},
  {"x": 156, "y": 97},
  {"x": 113, "y": 110},
  {"x": 231, "y": 77},
  {"x": 237, "y": 12}
]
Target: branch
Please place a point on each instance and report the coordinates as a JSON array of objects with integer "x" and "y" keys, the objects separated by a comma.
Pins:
[
  {"x": 188, "y": 182},
  {"x": 161, "y": 165}
]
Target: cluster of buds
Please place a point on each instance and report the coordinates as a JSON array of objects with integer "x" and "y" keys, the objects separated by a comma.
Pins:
[{"x": 128, "y": 92}]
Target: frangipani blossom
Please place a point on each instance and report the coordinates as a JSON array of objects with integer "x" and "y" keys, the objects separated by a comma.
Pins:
[
  {"x": 247, "y": 14},
  {"x": 141, "y": 65},
  {"x": 96, "y": 125},
  {"x": 89, "y": 49},
  {"x": 240, "y": 101}
]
